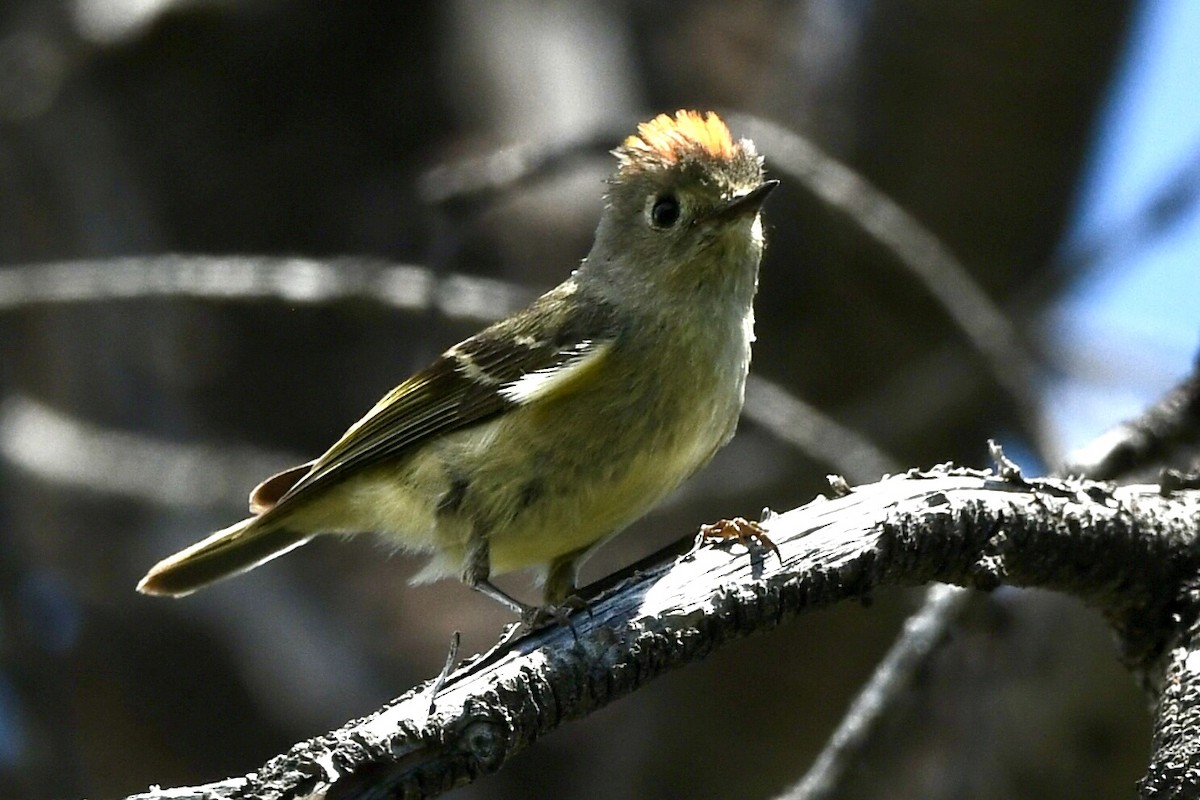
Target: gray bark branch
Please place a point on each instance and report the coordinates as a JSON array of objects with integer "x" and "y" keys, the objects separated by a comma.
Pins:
[{"x": 1127, "y": 551}]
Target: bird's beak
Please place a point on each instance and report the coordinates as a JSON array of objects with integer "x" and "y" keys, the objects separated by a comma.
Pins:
[{"x": 745, "y": 204}]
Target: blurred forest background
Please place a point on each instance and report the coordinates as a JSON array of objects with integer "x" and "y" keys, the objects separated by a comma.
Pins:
[{"x": 228, "y": 226}]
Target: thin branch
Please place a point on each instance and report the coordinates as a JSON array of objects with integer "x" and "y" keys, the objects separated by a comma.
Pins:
[
  {"x": 480, "y": 178},
  {"x": 815, "y": 434},
  {"x": 63, "y": 449},
  {"x": 287, "y": 280},
  {"x": 1125, "y": 551},
  {"x": 1147, "y": 440},
  {"x": 923, "y": 632}
]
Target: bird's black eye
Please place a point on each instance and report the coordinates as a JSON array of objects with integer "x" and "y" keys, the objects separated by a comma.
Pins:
[{"x": 665, "y": 212}]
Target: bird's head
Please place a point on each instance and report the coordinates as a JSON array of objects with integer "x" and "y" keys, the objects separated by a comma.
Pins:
[{"x": 683, "y": 204}]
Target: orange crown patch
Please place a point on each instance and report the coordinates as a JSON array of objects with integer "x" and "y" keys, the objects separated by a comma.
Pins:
[{"x": 666, "y": 140}]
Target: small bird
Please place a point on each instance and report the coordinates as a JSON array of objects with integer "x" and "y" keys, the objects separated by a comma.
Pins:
[{"x": 537, "y": 439}]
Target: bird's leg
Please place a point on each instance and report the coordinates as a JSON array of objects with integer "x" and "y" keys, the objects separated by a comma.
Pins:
[
  {"x": 558, "y": 592},
  {"x": 559, "y": 588},
  {"x": 560, "y": 578},
  {"x": 476, "y": 568}
]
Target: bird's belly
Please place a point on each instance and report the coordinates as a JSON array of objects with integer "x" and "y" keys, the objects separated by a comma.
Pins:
[
  {"x": 578, "y": 516},
  {"x": 584, "y": 494}
]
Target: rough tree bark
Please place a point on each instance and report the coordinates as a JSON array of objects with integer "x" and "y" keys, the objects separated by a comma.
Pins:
[{"x": 1130, "y": 552}]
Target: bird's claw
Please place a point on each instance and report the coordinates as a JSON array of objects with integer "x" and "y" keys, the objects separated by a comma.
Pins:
[
  {"x": 535, "y": 617},
  {"x": 741, "y": 529}
]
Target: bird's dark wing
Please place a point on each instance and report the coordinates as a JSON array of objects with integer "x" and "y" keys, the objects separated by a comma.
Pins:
[{"x": 532, "y": 356}]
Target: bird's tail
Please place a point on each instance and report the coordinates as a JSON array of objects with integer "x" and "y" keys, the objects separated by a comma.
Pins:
[{"x": 226, "y": 553}]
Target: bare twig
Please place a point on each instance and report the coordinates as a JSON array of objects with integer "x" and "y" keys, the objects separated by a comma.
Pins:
[
  {"x": 440, "y": 680},
  {"x": 63, "y": 449},
  {"x": 815, "y": 434},
  {"x": 290, "y": 280},
  {"x": 479, "y": 178},
  {"x": 923, "y": 631},
  {"x": 1147, "y": 440},
  {"x": 955, "y": 526}
]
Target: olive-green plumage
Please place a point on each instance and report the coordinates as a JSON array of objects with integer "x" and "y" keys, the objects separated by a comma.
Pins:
[{"x": 530, "y": 443}]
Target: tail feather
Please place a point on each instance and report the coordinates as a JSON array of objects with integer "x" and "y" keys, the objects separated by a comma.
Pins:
[{"x": 226, "y": 553}]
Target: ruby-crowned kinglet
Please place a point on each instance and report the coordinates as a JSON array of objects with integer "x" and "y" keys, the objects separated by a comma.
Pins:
[{"x": 534, "y": 441}]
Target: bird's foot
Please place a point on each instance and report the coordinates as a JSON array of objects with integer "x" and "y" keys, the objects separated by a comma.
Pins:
[
  {"x": 740, "y": 529},
  {"x": 534, "y": 617}
]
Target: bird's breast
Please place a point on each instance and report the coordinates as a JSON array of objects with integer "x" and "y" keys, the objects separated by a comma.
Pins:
[{"x": 592, "y": 462}]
